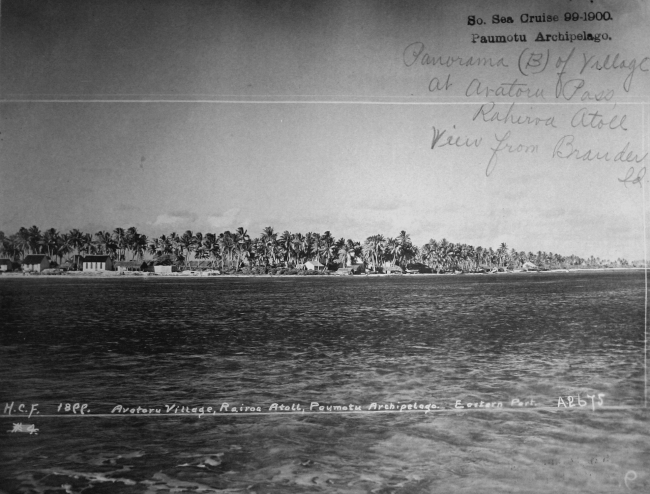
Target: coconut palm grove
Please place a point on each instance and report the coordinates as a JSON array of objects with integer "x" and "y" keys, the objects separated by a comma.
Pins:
[{"x": 237, "y": 251}]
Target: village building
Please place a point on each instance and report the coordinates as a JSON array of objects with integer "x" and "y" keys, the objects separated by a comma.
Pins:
[
  {"x": 352, "y": 269},
  {"x": 200, "y": 265},
  {"x": 393, "y": 270},
  {"x": 36, "y": 263},
  {"x": 164, "y": 269},
  {"x": 6, "y": 265},
  {"x": 122, "y": 266},
  {"x": 148, "y": 266},
  {"x": 314, "y": 265},
  {"x": 417, "y": 268},
  {"x": 67, "y": 265},
  {"x": 357, "y": 268},
  {"x": 97, "y": 263}
]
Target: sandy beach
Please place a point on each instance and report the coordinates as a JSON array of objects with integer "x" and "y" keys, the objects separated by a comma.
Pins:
[{"x": 203, "y": 275}]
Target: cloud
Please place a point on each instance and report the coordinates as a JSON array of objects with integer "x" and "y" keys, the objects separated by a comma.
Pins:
[
  {"x": 223, "y": 220},
  {"x": 176, "y": 217}
]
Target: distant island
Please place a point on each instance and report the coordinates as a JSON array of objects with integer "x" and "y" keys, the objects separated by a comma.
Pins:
[{"x": 275, "y": 253}]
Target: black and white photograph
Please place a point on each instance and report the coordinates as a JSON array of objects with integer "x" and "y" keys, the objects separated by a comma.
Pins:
[{"x": 295, "y": 246}]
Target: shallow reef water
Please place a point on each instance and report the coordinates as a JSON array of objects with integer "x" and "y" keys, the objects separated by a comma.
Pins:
[{"x": 358, "y": 345}]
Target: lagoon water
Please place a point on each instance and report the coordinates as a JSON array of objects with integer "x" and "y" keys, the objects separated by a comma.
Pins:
[{"x": 252, "y": 342}]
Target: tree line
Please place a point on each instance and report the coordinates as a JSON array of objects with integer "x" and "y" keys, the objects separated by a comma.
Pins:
[{"x": 236, "y": 250}]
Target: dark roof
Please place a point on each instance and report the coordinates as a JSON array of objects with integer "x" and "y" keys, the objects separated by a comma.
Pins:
[
  {"x": 201, "y": 263},
  {"x": 95, "y": 258},
  {"x": 129, "y": 264},
  {"x": 34, "y": 259},
  {"x": 5, "y": 262}
]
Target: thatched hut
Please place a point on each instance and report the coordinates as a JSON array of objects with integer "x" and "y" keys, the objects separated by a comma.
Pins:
[{"x": 123, "y": 266}]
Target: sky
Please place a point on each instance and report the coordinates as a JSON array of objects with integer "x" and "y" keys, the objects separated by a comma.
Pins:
[{"x": 314, "y": 116}]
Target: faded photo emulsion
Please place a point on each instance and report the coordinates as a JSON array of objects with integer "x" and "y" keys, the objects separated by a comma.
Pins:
[{"x": 340, "y": 247}]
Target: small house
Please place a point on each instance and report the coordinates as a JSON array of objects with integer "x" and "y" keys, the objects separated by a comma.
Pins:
[
  {"x": 164, "y": 269},
  {"x": 393, "y": 270},
  {"x": 67, "y": 265},
  {"x": 122, "y": 266},
  {"x": 357, "y": 268},
  {"x": 528, "y": 266},
  {"x": 314, "y": 265},
  {"x": 200, "y": 265},
  {"x": 6, "y": 265},
  {"x": 97, "y": 263},
  {"x": 417, "y": 268},
  {"x": 344, "y": 271},
  {"x": 36, "y": 263}
]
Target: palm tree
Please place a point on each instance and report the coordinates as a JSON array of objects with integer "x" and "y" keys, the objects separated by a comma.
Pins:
[
  {"x": 49, "y": 242},
  {"x": 87, "y": 244},
  {"x": 430, "y": 254},
  {"x": 185, "y": 243},
  {"x": 196, "y": 246},
  {"x": 289, "y": 248},
  {"x": 345, "y": 252},
  {"x": 139, "y": 246},
  {"x": 393, "y": 248},
  {"x": 298, "y": 246},
  {"x": 269, "y": 239},
  {"x": 119, "y": 239},
  {"x": 105, "y": 244},
  {"x": 242, "y": 235},
  {"x": 285, "y": 245},
  {"x": 404, "y": 240},
  {"x": 132, "y": 242},
  {"x": 375, "y": 245},
  {"x": 8, "y": 246},
  {"x": 210, "y": 248},
  {"x": 243, "y": 254},
  {"x": 241, "y": 241},
  {"x": 76, "y": 240},
  {"x": 327, "y": 247},
  {"x": 63, "y": 247},
  {"x": 313, "y": 239},
  {"x": 160, "y": 246},
  {"x": 35, "y": 239},
  {"x": 22, "y": 241},
  {"x": 227, "y": 245}
]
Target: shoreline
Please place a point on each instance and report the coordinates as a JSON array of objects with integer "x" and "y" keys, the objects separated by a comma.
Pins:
[{"x": 115, "y": 274}]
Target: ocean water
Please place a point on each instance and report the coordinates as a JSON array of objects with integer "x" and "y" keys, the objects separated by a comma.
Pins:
[{"x": 436, "y": 342}]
